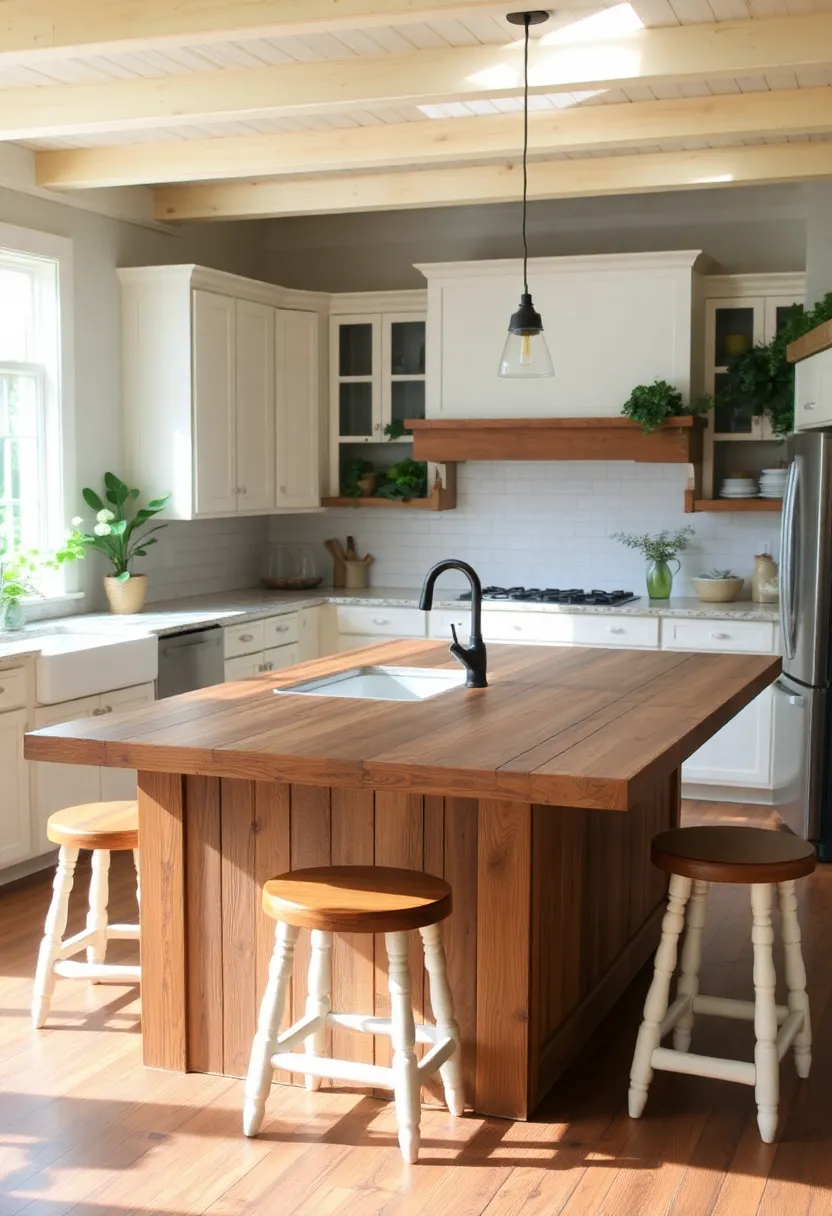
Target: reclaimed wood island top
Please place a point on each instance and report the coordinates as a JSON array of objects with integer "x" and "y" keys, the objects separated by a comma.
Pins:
[
  {"x": 570, "y": 726},
  {"x": 513, "y": 793}
]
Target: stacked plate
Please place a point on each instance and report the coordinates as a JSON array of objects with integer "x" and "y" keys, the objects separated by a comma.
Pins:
[
  {"x": 773, "y": 483},
  {"x": 738, "y": 487}
]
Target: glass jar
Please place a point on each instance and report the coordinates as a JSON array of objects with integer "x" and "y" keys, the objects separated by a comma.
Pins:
[
  {"x": 306, "y": 567},
  {"x": 279, "y": 567}
]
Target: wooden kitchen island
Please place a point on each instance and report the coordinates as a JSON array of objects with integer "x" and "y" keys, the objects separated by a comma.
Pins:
[{"x": 536, "y": 798}]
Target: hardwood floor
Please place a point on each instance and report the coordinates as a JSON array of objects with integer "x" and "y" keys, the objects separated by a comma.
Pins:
[{"x": 85, "y": 1129}]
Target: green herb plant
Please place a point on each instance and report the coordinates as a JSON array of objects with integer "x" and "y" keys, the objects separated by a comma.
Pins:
[
  {"x": 120, "y": 536},
  {"x": 19, "y": 571},
  {"x": 652, "y": 404},
  {"x": 661, "y": 547},
  {"x": 760, "y": 381},
  {"x": 354, "y": 471},
  {"x": 404, "y": 480}
]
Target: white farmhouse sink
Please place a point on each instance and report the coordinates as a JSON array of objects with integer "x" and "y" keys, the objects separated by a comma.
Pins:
[
  {"x": 380, "y": 684},
  {"x": 78, "y": 664}
]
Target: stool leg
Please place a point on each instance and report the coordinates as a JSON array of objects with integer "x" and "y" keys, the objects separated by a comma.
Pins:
[
  {"x": 655, "y": 1005},
  {"x": 691, "y": 959},
  {"x": 99, "y": 898},
  {"x": 795, "y": 975},
  {"x": 136, "y": 860},
  {"x": 405, "y": 1074},
  {"x": 53, "y": 933},
  {"x": 442, "y": 1004},
  {"x": 260, "y": 1070},
  {"x": 318, "y": 1002},
  {"x": 767, "y": 1085}
]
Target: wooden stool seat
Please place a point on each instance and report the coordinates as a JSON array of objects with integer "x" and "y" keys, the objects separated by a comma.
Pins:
[
  {"x": 767, "y": 862},
  {"x": 733, "y": 854},
  {"x": 96, "y": 825},
  {"x": 357, "y": 899}
]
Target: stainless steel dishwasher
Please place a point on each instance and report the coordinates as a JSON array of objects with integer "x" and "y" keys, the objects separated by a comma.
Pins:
[{"x": 190, "y": 660}]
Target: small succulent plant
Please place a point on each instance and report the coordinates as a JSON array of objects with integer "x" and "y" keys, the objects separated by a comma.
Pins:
[{"x": 718, "y": 574}]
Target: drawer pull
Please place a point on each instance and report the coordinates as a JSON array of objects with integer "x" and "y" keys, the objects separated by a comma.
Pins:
[
  {"x": 380, "y": 620},
  {"x": 720, "y": 637},
  {"x": 617, "y": 629},
  {"x": 96, "y": 713},
  {"x": 246, "y": 637},
  {"x": 281, "y": 628},
  {"x": 517, "y": 628}
]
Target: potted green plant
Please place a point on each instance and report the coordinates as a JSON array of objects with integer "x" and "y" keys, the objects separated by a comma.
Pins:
[
  {"x": 122, "y": 537},
  {"x": 19, "y": 571},
  {"x": 659, "y": 551},
  {"x": 760, "y": 381},
  {"x": 359, "y": 479},
  {"x": 652, "y": 404},
  {"x": 404, "y": 480}
]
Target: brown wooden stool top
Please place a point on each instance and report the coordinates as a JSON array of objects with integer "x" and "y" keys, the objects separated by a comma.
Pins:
[
  {"x": 733, "y": 854},
  {"x": 357, "y": 899},
  {"x": 96, "y": 825}
]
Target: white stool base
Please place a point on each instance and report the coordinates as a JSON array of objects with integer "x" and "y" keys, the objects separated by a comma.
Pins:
[{"x": 777, "y": 1027}]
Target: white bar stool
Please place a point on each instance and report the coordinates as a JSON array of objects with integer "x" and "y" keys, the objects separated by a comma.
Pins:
[
  {"x": 357, "y": 899},
  {"x": 103, "y": 827},
  {"x": 763, "y": 860}
]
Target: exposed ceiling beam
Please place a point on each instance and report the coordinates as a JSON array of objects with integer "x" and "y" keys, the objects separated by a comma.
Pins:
[
  {"x": 693, "y": 52},
  {"x": 635, "y": 174},
  {"x": 440, "y": 142},
  {"x": 32, "y": 29}
]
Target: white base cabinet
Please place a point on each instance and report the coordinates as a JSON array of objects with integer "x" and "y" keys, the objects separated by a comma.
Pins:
[
  {"x": 15, "y": 820},
  {"x": 271, "y": 644},
  {"x": 741, "y": 753}
]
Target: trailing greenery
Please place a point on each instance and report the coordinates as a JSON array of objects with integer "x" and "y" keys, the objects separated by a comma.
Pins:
[
  {"x": 404, "y": 480},
  {"x": 18, "y": 571},
  {"x": 662, "y": 547},
  {"x": 760, "y": 381},
  {"x": 354, "y": 471},
  {"x": 396, "y": 429},
  {"x": 651, "y": 404},
  {"x": 118, "y": 535}
]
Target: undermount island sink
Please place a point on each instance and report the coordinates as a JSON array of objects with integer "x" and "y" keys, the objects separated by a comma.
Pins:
[
  {"x": 380, "y": 684},
  {"x": 78, "y": 664}
]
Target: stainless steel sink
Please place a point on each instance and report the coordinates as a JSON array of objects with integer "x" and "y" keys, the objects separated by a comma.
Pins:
[{"x": 380, "y": 684}]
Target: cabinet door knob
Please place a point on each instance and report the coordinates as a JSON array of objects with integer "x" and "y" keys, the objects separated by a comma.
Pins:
[
  {"x": 108, "y": 709},
  {"x": 808, "y": 405},
  {"x": 96, "y": 713},
  {"x": 719, "y": 636},
  {"x": 243, "y": 489},
  {"x": 270, "y": 667},
  {"x": 282, "y": 489},
  {"x": 617, "y": 629}
]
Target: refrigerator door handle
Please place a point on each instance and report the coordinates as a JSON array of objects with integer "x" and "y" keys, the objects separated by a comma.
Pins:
[
  {"x": 788, "y": 574},
  {"x": 793, "y": 698}
]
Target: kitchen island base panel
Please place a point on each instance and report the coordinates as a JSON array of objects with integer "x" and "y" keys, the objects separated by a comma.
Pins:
[{"x": 556, "y": 909}]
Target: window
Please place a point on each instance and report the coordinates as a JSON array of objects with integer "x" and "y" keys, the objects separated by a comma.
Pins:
[{"x": 34, "y": 388}]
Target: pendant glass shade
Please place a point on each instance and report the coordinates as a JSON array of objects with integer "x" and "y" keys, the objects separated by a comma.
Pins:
[{"x": 525, "y": 354}]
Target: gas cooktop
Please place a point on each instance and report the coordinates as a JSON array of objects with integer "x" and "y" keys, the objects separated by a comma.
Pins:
[{"x": 556, "y": 595}]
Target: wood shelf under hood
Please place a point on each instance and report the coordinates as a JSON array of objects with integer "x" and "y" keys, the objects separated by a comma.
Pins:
[{"x": 677, "y": 441}]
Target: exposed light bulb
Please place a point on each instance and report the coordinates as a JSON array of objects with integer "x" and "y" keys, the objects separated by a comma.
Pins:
[{"x": 526, "y": 349}]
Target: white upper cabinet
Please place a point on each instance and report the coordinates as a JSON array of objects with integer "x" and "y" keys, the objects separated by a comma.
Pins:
[
  {"x": 298, "y": 469},
  {"x": 221, "y": 391},
  {"x": 611, "y": 323}
]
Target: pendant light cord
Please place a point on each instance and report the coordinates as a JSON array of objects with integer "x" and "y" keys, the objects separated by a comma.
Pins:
[{"x": 526, "y": 23}]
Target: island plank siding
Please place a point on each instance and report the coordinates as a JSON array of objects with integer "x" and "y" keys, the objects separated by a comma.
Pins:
[{"x": 536, "y": 798}]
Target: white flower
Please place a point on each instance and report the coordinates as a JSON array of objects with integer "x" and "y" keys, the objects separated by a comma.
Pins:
[
  {"x": 102, "y": 529},
  {"x": 104, "y": 517},
  {"x": 77, "y": 521}
]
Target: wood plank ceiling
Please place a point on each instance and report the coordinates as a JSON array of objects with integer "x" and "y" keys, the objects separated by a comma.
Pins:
[{"x": 269, "y": 108}]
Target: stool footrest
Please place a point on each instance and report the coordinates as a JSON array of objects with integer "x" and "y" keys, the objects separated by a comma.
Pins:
[
  {"x": 372, "y": 1025},
  {"x": 436, "y": 1057},
  {"x": 123, "y": 933},
  {"x": 112, "y": 972},
  {"x": 299, "y": 1031},
  {"x": 335, "y": 1070},
  {"x": 726, "y": 1007},
  {"x": 71, "y": 945},
  {"x": 789, "y": 1031},
  {"x": 667, "y": 1060},
  {"x": 679, "y": 1007}
]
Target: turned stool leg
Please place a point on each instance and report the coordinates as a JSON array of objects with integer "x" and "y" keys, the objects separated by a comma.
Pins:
[
  {"x": 655, "y": 1006},
  {"x": 442, "y": 1005},
  {"x": 53, "y": 933},
  {"x": 136, "y": 859},
  {"x": 691, "y": 960},
  {"x": 318, "y": 1001},
  {"x": 795, "y": 975},
  {"x": 767, "y": 1085},
  {"x": 99, "y": 898},
  {"x": 405, "y": 1074},
  {"x": 260, "y": 1070}
]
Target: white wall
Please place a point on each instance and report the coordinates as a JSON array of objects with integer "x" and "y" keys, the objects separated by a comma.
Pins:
[
  {"x": 100, "y": 245},
  {"x": 545, "y": 525},
  {"x": 743, "y": 230}
]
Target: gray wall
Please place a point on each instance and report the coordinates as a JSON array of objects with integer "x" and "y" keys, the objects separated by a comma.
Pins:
[{"x": 744, "y": 230}]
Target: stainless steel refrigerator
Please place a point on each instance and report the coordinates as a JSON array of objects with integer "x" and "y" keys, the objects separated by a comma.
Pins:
[{"x": 803, "y": 694}]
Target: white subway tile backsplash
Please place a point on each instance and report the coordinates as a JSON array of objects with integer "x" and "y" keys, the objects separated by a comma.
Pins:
[{"x": 542, "y": 524}]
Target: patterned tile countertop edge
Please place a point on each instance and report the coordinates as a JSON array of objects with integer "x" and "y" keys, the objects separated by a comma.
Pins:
[{"x": 236, "y": 607}]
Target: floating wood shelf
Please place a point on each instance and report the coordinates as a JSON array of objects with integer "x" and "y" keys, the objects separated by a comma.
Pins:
[
  {"x": 730, "y": 504},
  {"x": 677, "y": 441},
  {"x": 817, "y": 339},
  {"x": 441, "y": 498}
]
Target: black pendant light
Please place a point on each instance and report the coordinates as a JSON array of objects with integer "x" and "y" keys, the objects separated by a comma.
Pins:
[{"x": 525, "y": 354}]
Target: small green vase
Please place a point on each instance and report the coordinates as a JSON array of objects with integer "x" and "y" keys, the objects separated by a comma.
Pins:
[
  {"x": 660, "y": 579},
  {"x": 12, "y": 615}
]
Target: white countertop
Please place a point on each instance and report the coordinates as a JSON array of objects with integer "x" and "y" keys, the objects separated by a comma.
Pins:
[{"x": 235, "y": 607}]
